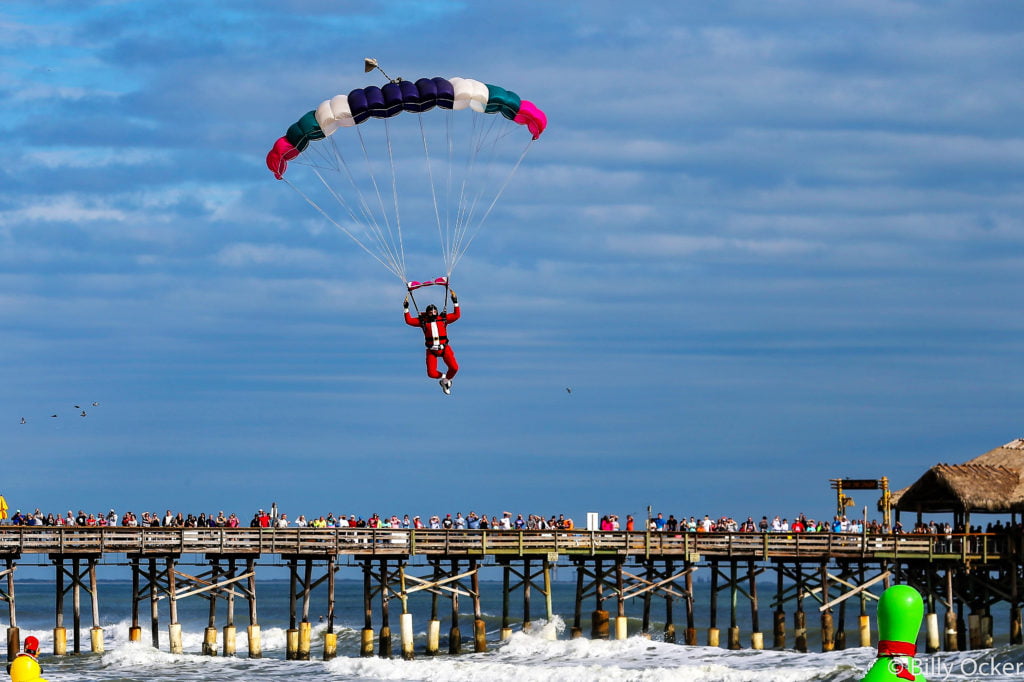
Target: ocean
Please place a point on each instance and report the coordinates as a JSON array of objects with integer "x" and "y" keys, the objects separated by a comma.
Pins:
[{"x": 545, "y": 653}]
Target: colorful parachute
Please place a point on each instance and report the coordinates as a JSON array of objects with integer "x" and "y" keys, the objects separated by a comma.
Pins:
[{"x": 376, "y": 174}]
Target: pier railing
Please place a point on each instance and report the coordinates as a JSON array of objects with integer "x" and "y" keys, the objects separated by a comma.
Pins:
[{"x": 18, "y": 540}]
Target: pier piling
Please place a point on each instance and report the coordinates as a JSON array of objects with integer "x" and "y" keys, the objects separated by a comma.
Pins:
[
  {"x": 713, "y": 633},
  {"x": 455, "y": 634},
  {"x": 756, "y": 636},
  {"x": 479, "y": 626},
  {"x": 366, "y": 645},
  {"x": 779, "y": 620},
  {"x": 60, "y": 633},
  {"x": 330, "y": 636}
]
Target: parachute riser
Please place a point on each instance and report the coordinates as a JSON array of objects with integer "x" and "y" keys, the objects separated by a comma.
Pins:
[{"x": 415, "y": 305}]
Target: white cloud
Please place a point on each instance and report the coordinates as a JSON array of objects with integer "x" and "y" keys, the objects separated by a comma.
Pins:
[
  {"x": 243, "y": 255},
  {"x": 675, "y": 246},
  {"x": 52, "y": 158},
  {"x": 63, "y": 209}
]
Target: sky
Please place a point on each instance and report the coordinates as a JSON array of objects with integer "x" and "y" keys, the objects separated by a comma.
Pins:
[{"x": 765, "y": 244}]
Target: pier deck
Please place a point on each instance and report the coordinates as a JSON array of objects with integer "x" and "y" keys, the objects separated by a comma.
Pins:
[{"x": 15, "y": 541}]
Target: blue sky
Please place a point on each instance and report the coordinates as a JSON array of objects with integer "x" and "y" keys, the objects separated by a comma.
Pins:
[{"x": 766, "y": 244}]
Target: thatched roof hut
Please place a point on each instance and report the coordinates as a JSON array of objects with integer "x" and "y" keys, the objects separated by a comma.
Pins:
[{"x": 992, "y": 483}]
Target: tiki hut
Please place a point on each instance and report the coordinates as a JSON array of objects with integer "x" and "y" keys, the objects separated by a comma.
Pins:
[{"x": 992, "y": 483}]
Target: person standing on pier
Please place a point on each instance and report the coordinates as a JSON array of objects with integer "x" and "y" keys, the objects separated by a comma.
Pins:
[{"x": 435, "y": 334}]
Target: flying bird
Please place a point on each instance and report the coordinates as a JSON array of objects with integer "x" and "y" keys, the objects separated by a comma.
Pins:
[
  {"x": 95, "y": 404},
  {"x": 53, "y": 415},
  {"x": 568, "y": 390},
  {"x": 22, "y": 420},
  {"x": 83, "y": 413}
]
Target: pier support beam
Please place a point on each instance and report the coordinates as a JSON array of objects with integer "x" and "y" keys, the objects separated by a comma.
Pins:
[
  {"x": 669, "y": 634},
  {"x": 734, "y": 628},
  {"x": 96, "y": 633},
  {"x": 13, "y": 632},
  {"x": 863, "y": 620},
  {"x": 210, "y": 633},
  {"x": 405, "y": 622},
  {"x": 827, "y": 634},
  {"x": 779, "y": 621},
  {"x": 366, "y": 643},
  {"x": 299, "y": 634},
  {"x": 434, "y": 624},
  {"x": 756, "y": 636},
  {"x": 60, "y": 633},
  {"x": 950, "y": 639},
  {"x": 384, "y": 643},
  {"x": 330, "y": 636},
  {"x": 713, "y": 638},
  {"x": 454, "y": 633},
  {"x": 599, "y": 618},
  {"x": 134, "y": 630},
  {"x": 577, "y": 621},
  {"x": 691, "y": 626},
  {"x": 253, "y": 630},
  {"x": 81, "y": 577},
  {"x": 479, "y": 625},
  {"x": 230, "y": 635},
  {"x": 799, "y": 617},
  {"x": 174, "y": 627}
]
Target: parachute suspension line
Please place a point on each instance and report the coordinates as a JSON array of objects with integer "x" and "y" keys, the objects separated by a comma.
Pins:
[
  {"x": 445, "y": 221},
  {"x": 470, "y": 163},
  {"x": 388, "y": 239},
  {"x": 394, "y": 192},
  {"x": 467, "y": 206},
  {"x": 487, "y": 213},
  {"x": 449, "y": 185},
  {"x": 483, "y": 137},
  {"x": 368, "y": 218},
  {"x": 391, "y": 267},
  {"x": 433, "y": 193}
]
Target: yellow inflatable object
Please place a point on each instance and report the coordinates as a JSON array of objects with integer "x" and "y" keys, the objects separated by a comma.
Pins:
[{"x": 24, "y": 668}]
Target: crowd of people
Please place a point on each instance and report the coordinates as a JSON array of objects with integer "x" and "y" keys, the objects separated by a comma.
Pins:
[{"x": 273, "y": 518}]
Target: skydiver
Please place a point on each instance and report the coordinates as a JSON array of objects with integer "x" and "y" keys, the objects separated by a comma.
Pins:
[{"x": 435, "y": 335}]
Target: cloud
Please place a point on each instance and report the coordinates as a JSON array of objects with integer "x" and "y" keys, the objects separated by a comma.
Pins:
[
  {"x": 53, "y": 158},
  {"x": 244, "y": 255},
  {"x": 670, "y": 246}
]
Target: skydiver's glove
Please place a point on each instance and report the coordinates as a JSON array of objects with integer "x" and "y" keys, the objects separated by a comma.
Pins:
[
  {"x": 405, "y": 303},
  {"x": 455, "y": 299}
]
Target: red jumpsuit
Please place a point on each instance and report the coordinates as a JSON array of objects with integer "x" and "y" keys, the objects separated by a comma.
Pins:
[{"x": 435, "y": 335}]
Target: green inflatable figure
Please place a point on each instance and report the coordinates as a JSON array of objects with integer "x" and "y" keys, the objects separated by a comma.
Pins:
[{"x": 900, "y": 611}]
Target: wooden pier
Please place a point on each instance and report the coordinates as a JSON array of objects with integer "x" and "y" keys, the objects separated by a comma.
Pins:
[{"x": 969, "y": 573}]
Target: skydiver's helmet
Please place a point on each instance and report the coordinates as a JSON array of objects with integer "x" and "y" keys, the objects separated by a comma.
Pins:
[
  {"x": 431, "y": 311},
  {"x": 31, "y": 645}
]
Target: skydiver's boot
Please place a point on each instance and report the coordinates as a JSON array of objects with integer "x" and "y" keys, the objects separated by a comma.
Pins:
[{"x": 446, "y": 385}]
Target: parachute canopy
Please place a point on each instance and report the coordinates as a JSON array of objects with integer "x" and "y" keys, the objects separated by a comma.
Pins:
[
  {"x": 361, "y": 104},
  {"x": 378, "y": 168}
]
